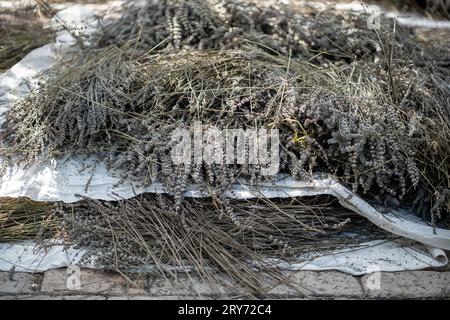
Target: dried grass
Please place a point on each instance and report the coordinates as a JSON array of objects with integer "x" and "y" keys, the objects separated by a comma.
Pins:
[
  {"x": 375, "y": 129},
  {"x": 371, "y": 108},
  {"x": 148, "y": 233},
  {"x": 22, "y": 219}
]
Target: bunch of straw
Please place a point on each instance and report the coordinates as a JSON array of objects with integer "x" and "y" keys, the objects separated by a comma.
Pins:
[{"x": 22, "y": 219}]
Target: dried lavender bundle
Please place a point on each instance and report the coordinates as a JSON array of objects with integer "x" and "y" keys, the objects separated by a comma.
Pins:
[
  {"x": 349, "y": 123},
  {"x": 324, "y": 36},
  {"x": 131, "y": 235},
  {"x": 320, "y": 35},
  {"x": 202, "y": 236},
  {"x": 380, "y": 124},
  {"x": 226, "y": 24}
]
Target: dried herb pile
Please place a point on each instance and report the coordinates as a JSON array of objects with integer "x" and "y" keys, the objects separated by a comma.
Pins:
[{"x": 370, "y": 107}]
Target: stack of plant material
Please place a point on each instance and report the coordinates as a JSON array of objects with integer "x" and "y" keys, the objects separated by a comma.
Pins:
[
  {"x": 317, "y": 35},
  {"x": 21, "y": 31},
  {"x": 382, "y": 132},
  {"x": 148, "y": 234},
  {"x": 404, "y": 73},
  {"x": 370, "y": 107},
  {"x": 228, "y": 24}
]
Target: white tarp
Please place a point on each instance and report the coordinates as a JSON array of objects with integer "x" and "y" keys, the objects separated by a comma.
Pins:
[
  {"x": 63, "y": 180},
  {"x": 379, "y": 255}
]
